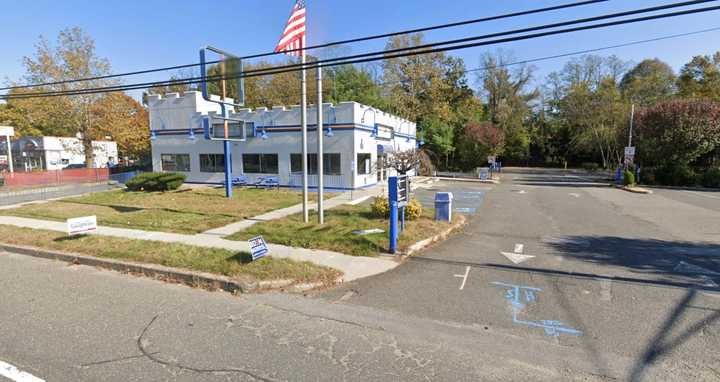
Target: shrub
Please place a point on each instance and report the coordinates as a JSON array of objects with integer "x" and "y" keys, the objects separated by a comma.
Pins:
[
  {"x": 590, "y": 166},
  {"x": 677, "y": 175},
  {"x": 648, "y": 175},
  {"x": 380, "y": 208},
  {"x": 413, "y": 209},
  {"x": 628, "y": 178},
  {"x": 711, "y": 178},
  {"x": 156, "y": 181}
]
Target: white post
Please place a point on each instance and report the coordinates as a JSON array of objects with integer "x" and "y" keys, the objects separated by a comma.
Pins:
[
  {"x": 321, "y": 211},
  {"x": 632, "y": 117},
  {"x": 9, "y": 148},
  {"x": 303, "y": 127}
]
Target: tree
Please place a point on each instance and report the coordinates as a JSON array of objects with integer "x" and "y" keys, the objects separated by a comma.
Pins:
[
  {"x": 648, "y": 82},
  {"x": 700, "y": 78},
  {"x": 125, "y": 120},
  {"x": 585, "y": 104},
  {"x": 175, "y": 88},
  {"x": 74, "y": 57},
  {"x": 677, "y": 132},
  {"x": 508, "y": 100},
  {"x": 352, "y": 84},
  {"x": 404, "y": 161}
]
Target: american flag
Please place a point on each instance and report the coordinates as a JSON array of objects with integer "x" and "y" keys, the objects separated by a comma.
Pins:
[{"x": 294, "y": 35}]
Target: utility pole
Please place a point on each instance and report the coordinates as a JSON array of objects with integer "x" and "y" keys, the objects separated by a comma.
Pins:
[
  {"x": 632, "y": 118},
  {"x": 321, "y": 211}
]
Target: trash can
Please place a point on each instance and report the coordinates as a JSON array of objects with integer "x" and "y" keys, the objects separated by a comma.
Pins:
[
  {"x": 443, "y": 206},
  {"x": 484, "y": 173}
]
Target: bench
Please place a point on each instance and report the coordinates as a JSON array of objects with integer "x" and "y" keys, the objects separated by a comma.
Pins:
[{"x": 267, "y": 182}]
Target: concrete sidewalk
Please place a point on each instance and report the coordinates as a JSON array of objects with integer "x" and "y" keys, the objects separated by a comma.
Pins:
[
  {"x": 344, "y": 198},
  {"x": 353, "y": 267}
]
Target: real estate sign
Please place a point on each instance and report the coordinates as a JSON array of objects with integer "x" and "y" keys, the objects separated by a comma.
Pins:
[{"x": 78, "y": 226}]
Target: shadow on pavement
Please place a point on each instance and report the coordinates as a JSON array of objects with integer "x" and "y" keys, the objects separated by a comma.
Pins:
[
  {"x": 648, "y": 256},
  {"x": 661, "y": 344},
  {"x": 568, "y": 274}
]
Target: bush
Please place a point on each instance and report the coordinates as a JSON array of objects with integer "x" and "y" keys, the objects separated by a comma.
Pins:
[
  {"x": 413, "y": 209},
  {"x": 380, "y": 208},
  {"x": 590, "y": 166},
  {"x": 676, "y": 175},
  {"x": 711, "y": 178},
  {"x": 156, "y": 181},
  {"x": 628, "y": 178}
]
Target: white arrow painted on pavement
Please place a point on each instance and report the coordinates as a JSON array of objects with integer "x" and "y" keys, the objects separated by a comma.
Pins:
[
  {"x": 574, "y": 195},
  {"x": 710, "y": 283},
  {"x": 517, "y": 255},
  {"x": 684, "y": 267}
]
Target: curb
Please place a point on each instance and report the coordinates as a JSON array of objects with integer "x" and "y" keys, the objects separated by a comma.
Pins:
[
  {"x": 635, "y": 190},
  {"x": 422, "y": 244},
  {"x": 681, "y": 188},
  {"x": 172, "y": 275},
  {"x": 489, "y": 181}
]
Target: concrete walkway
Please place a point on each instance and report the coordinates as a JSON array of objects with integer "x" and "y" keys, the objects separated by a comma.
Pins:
[
  {"x": 353, "y": 267},
  {"x": 345, "y": 198}
]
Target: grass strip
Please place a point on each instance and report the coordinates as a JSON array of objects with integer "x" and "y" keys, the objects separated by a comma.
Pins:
[{"x": 210, "y": 260}]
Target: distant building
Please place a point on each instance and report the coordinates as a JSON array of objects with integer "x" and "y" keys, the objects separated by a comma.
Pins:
[
  {"x": 57, "y": 153},
  {"x": 357, "y": 139}
]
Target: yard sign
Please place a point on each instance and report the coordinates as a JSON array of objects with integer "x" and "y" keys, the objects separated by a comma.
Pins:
[
  {"x": 258, "y": 247},
  {"x": 86, "y": 224}
]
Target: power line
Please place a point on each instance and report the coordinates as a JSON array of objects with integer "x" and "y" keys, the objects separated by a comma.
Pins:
[
  {"x": 349, "y": 41},
  {"x": 414, "y": 52}
]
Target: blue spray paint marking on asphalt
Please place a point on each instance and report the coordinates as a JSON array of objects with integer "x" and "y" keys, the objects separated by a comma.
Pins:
[{"x": 513, "y": 293}]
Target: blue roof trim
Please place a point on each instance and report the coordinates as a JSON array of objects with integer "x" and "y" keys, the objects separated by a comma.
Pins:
[{"x": 285, "y": 128}]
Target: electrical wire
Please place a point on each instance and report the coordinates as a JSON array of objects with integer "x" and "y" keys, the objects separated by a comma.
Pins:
[
  {"x": 335, "y": 43},
  {"x": 334, "y": 62}
]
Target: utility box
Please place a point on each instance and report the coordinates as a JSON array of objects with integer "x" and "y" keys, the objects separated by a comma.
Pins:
[{"x": 443, "y": 206}]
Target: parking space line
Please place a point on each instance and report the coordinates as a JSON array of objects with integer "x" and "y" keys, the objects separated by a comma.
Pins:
[
  {"x": 464, "y": 277},
  {"x": 11, "y": 372}
]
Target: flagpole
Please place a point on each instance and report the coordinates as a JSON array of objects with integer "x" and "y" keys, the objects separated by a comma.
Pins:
[
  {"x": 321, "y": 211},
  {"x": 303, "y": 125}
]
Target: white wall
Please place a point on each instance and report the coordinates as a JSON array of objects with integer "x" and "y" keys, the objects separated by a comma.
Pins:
[
  {"x": 350, "y": 136},
  {"x": 61, "y": 152}
]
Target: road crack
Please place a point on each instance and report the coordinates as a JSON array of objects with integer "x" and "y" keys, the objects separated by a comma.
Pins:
[{"x": 142, "y": 343}]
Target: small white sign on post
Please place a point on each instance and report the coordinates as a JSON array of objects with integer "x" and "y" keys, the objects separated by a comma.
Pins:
[
  {"x": 258, "y": 247},
  {"x": 629, "y": 154},
  {"x": 78, "y": 226}
]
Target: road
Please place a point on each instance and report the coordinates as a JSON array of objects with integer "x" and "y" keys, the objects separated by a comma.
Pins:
[{"x": 621, "y": 287}]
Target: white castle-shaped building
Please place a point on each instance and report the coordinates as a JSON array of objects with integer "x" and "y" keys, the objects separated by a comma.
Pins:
[{"x": 357, "y": 139}]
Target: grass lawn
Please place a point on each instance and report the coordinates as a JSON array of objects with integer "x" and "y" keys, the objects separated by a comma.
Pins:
[
  {"x": 185, "y": 211},
  {"x": 336, "y": 234},
  {"x": 217, "y": 261}
]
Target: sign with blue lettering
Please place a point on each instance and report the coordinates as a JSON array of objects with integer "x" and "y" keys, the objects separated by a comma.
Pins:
[{"x": 258, "y": 247}]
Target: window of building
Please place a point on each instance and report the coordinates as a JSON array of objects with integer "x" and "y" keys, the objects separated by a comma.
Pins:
[
  {"x": 296, "y": 164},
  {"x": 260, "y": 163},
  {"x": 363, "y": 164},
  {"x": 331, "y": 164},
  {"x": 269, "y": 163},
  {"x": 175, "y": 162},
  {"x": 212, "y": 163}
]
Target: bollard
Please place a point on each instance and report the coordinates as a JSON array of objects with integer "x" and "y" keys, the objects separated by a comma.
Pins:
[{"x": 393, "y": 226}]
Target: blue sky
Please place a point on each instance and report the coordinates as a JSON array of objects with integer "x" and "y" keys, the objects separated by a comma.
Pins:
[{"x": 142, "y": 34}]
